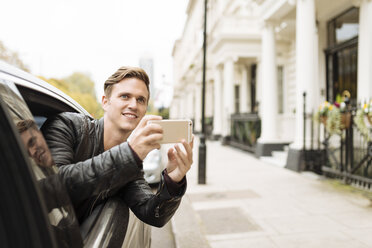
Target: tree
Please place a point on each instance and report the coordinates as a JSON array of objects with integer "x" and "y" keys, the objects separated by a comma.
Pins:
[
  {"x": 80, "y": 82},
  {"x": 11, "y": 57},
  {"x": 79, "y": 87}
]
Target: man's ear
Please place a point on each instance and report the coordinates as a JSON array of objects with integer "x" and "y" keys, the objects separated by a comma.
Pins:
[{"x": 105, "y": 102}]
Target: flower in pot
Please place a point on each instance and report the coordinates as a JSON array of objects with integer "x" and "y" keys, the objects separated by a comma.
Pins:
[
  {"x": 323, "y": 111},
  {"x": 334, "y": 117},
  {"x": 363, "y": 120}
]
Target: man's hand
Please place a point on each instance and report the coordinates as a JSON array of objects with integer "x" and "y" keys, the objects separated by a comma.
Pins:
[
  {"x": 146, "y": 137},
  {"x": 179, "y": 162}
]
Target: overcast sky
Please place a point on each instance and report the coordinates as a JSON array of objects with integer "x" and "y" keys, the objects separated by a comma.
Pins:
[{"x": 56, "y": 38}]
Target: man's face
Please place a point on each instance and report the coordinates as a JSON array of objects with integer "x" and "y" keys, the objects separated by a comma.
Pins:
[
  {"x": 127, "y": 104},
  {"x": 37, "y": 147}
]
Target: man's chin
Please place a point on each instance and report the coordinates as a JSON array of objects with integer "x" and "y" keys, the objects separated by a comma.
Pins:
[{"x": 128, "y": 128}]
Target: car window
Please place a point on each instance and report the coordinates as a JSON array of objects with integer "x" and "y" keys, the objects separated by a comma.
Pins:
[{"x": 57, "y": 203}]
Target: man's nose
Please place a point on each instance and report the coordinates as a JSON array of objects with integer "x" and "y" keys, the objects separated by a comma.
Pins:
[
  {"x": 133, "y": 103},
  {"x": 32, "y": 151}
]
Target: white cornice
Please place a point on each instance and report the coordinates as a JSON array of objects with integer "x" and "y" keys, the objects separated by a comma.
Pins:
[
  {"x": 276, "y": 9},
  {"x": 222, "y": 39}
]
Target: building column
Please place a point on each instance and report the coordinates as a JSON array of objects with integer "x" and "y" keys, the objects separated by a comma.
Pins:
[
  {"x": 365, "y": 51},
  {"x": 268, "y": 109},
  {"x": 228, "y": 85},
  {"x": 218, "y": 103},
  {"x": 269, "y": 101},
  {"x": 306, "y": 42},
  {"x": 244, "y": 91}
]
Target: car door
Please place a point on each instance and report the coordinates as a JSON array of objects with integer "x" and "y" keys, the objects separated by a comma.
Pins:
[
  {"x": 52, "y": 209},
  {"x": 108, "y": 225},
  {"x": 21, "y": 206}
]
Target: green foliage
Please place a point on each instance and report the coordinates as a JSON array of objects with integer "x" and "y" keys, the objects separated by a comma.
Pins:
[
  {"x": 333, "y": 125},
  {"x": 79, "y": 87},
  {"x": 333, "y": 116},
  {"x": 164, "y": 112},
  {"x": 362, "y": 120},
  {"x": 11, "y": 57},
  {"x": 80, "y": 82}
]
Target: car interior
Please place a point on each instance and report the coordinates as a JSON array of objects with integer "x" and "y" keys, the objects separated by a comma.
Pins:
[{"x": 36, "y": 103}]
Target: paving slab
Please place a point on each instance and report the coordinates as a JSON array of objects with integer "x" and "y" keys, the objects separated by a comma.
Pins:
[{"x": 247, "y": 202}]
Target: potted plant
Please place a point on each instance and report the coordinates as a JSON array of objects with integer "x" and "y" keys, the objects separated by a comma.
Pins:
[
  {"x": 334, "y": 117},
  {"x": 363, "y": 120},
  {"x": 322, "y": 113}
]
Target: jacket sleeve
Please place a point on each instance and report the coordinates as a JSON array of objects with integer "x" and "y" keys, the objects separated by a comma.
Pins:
[
  {"x": 92, "y": 177},
  {"x": 113, "y": 172},
  {"x": 110, "y": 170},
  {"x": 153, "y": 209}
]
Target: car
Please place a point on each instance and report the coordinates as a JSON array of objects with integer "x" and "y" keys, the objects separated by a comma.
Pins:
[
  {"x": 153, "y": 166},
  {"x": 36, "y": 210}
]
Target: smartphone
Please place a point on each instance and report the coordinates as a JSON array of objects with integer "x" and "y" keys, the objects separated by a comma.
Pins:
[{"x": 175, "y": 130}]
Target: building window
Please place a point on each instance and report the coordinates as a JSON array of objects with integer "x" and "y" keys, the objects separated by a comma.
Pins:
[
  {"x": 280, "y": 90},
  {"x": 344, "y": 27}
]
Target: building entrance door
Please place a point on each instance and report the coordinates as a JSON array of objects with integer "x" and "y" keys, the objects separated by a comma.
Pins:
[
  {"x": 342, "y": 55},
  {"x": 342, "y": 71}
]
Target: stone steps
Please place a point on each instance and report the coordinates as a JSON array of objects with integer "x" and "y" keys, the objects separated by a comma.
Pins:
[{"x": 277, "y": 158}]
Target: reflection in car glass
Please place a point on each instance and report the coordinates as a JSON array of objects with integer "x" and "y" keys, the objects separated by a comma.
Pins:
[
  {"x": 60, "y": 211},
  {"x": 35, "y": 143}
]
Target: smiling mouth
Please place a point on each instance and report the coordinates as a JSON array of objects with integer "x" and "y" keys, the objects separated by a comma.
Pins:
[
  {"x": 130, "y": 115},
  {"x": 40, "y": 156}
]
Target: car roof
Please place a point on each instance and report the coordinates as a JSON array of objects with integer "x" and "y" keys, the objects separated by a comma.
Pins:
[{"x": 36, "y": 84}]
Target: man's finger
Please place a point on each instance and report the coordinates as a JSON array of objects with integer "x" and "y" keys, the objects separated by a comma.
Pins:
[
  {"x": 170, "y": 154},
  {"x": 153, "y": 138},
  {"x": 192, "y": 142},
  {"x": 146, "y": 118},
  {"x": 181, "y": 155},
  {"x": 180, "y": 162},
  {"x": 153, "y": 128},
  {"x": 188, "y": 149}
]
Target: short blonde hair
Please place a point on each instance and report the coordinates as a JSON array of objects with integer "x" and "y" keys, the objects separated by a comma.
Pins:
[{"x": 126, "y": 72}]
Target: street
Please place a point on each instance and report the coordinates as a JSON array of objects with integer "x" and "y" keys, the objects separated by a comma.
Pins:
[{"x": 250, "y": 203}]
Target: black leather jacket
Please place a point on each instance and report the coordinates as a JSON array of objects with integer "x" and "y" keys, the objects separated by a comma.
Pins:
[{"x": 91, "y": 174}]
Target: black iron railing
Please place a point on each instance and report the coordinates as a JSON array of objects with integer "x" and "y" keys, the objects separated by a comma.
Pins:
[
  {"x": 245, "y": 130},
  {"x": 346, "y": 156}
]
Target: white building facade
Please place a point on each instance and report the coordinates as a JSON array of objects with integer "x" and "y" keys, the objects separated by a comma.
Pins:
[{"x": 262, "y": 56}]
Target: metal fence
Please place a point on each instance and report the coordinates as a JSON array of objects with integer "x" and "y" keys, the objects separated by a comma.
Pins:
[
  {"x": 346, "y": 156},
  {"x": 245, "y": 130}
]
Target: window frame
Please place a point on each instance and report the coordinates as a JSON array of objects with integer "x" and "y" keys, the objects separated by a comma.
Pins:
[{"x": 22, "y": 211}]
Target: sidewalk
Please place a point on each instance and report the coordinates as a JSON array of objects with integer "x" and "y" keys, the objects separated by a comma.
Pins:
[{"x": 249, "y": 203}]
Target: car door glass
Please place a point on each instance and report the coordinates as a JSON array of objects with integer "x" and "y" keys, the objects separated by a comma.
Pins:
[{"x": 57, "y": 202}]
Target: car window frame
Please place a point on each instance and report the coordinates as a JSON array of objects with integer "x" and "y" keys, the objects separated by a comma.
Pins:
[
  {"x": 114, "y": 226},
  {"x": 17, "y": 176}
]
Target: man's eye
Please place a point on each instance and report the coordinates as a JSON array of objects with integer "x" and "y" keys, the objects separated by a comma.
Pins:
[
  {"x": 124, "y": 96},
  {"x": 141, "y": 100},
  {"x": 32, "y": 141}
]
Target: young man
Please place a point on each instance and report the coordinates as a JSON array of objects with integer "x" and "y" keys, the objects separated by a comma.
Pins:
[
  {"x": 96, "y": 161},
  {"x": 35, "y": 143}
]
